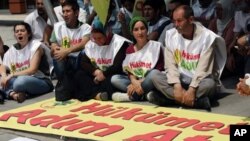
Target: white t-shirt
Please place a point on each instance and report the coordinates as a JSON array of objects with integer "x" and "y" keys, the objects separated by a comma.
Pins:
[
  {"x": 187, "y": 53},
  {"x": 102, "y": 57},
  {"x": 143, "y": 60},
  {"x": 71, "y": 36},
  {"x": 37, "y": 24},
  {"x": 20, "y": 59}
]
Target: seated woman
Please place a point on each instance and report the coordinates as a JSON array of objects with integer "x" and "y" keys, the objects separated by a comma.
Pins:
[
  {"x": 23, "y": 61},
  {"x": 141, "y": 60},
  {"x": 101, "y": 60}
]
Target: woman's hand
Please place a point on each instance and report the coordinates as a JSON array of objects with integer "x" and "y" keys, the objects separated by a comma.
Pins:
[
  {"x": 137, "y": 85},
  {"x": 5, "y": 80}
]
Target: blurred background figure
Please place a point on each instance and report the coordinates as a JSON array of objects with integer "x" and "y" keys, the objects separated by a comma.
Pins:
[
  {"x": 155, "y": 19},
  {"x": 37, "y": 20},
  {"x": 242, "y": 27},
  {"x": 171, "y": 5},
  {"x": 223, "y": 25},
  {"x": 204, "y": 11},
  {"x": 87, "y": 6},
  {"x": 3, "y": 48},
  {"x": 125, "y": 15}
]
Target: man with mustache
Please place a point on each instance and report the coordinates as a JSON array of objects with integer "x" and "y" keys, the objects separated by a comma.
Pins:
[
  {"x": 195, "y": 57},
  {"x": 37, "y": 20}
]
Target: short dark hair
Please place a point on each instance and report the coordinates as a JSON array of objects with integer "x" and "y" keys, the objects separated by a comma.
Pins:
[
  {"x": 72, "y": 3},
  {"x": 123, "y": 1},
  {"x": 188, "y": 11},
  {"x": 153, "y": 3},
  {"x": 27, "y": 27}
]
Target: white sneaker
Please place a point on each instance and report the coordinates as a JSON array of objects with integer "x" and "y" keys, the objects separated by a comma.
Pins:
[{"x": 120, "y": 97}]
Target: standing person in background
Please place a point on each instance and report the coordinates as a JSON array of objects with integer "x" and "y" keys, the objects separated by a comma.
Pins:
[
  {"x": 142, "y": 59},
  {"x": 1, "y": 48},
  {"x": 37, "y": 20},
  {"x": 23, "y": 61},
  {"x": 192, "y": 62}
]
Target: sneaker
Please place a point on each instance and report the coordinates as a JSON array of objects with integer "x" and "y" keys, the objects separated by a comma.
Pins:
[
  {"x": 158, "y": 99},
  {"x": 203, "y": 103},
  {"x": 120, "y": 97},
  {"x": 103, "y": 96}
]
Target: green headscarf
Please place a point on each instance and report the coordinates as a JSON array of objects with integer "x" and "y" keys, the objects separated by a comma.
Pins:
[{"x": 135, "y": 20}]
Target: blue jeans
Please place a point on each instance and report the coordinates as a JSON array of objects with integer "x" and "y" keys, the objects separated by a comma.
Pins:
[
  {"x": 121, "y": 82},
  {"x": 28, "y": 84}
]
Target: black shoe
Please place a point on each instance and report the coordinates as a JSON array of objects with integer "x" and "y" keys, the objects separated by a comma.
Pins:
[
  {"x": 1, "y": 99},
  {"x": 104, "y": 96},
  {"x": 158, "y": 99},
  {"x": 203, "y": 103}
]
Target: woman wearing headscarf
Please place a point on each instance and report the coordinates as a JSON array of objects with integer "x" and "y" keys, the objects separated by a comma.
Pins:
[
  {"x": 223, "y": 25},
  {"x": 141, "y": 59},
  {"x": 102, "y": 58}
]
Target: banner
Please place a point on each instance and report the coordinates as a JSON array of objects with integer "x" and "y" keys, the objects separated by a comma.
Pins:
[
  {"x": 138, "y": 8},
  {"x": 110, "y": 121},
  {"x": 101, "y": 7}
]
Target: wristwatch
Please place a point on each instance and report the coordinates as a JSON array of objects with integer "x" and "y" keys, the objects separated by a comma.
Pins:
[{"x": 247, "y": 39}]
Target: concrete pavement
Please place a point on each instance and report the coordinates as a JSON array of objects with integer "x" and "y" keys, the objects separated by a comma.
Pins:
[{"x": 229, "y": 102}]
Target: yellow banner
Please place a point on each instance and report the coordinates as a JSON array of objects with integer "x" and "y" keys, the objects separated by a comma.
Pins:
[
  {"x": 138, "y": 8},
  {"x": 109, "y": 121},
  {"x": 101, "y": 7}
]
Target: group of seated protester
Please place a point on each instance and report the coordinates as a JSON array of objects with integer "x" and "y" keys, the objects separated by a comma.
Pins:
[{"x": 173, "y": 55}]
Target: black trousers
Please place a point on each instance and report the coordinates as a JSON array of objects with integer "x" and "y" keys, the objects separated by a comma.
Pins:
[{"x": 85, "y": 88}]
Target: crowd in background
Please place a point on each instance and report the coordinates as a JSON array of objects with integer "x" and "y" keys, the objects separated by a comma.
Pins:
[{"x": 173, "y": 53}]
